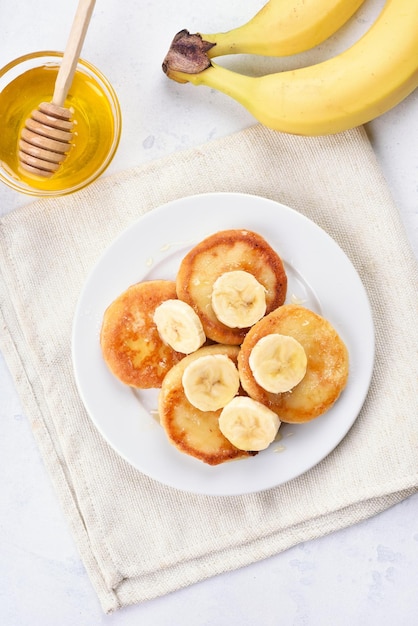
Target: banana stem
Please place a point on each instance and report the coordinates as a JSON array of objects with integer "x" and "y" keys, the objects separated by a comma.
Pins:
[
  {"x": 236, "y": 41},
  {"x": 187, "y": 53},
  {"x": 237, "y": 86},
  {"x": 187, "y": 62},
  {"x": 249, "y": 38}
]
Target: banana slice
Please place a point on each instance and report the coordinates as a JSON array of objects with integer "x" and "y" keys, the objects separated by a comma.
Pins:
[
  {"x": 238, "y": 299},
  {"x": 210, "y": 382},
  {"x": 248, "y": 424},
  {"x": 278, "y": 362},
  {"x": 179, "y": 326}
]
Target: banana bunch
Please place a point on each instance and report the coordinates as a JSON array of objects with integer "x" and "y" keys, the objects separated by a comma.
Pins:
[{"x": 361, "y": 83}]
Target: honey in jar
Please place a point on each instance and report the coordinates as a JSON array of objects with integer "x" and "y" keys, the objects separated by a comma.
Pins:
[{"x": 95, "y": 135}]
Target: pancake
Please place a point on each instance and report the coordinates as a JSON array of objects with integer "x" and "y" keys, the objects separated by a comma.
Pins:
[
  {"x": 131, "y": 345},
  {"x": 190, "y": 430},
  {"x": 226, "y": 251},
  {"x": 327, "y": 364}
]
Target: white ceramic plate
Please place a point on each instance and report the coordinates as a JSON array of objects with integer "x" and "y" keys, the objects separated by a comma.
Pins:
[{"x": 320, "y": 276}]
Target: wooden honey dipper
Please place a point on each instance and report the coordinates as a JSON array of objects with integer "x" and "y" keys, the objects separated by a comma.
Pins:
[{"x": 45, "y": 140}]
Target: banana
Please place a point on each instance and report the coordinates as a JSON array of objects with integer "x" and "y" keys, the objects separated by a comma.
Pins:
[
  {"x": 282, "y": 28},
  {"x": 238, "y": 299},
  {"x": 278, "y": 362},
  {"x": 210, "y": 382},
  {"x": 248, "y": 424},
  {"x": 368, "y": 79},
  {"x": 179, "y": 326}
]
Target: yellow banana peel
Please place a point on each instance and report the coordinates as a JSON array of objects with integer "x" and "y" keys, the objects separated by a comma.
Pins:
[{"x": 283, "y": 28}]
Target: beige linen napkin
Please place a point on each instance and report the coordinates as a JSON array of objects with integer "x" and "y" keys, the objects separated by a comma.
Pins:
[{"x": 139, "y": 539}]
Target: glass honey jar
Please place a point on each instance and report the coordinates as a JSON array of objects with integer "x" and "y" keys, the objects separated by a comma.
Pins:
[{"x": 28, "y": 81}]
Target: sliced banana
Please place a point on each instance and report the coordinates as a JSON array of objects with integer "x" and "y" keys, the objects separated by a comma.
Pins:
[
  {"x": 278, "y": 362},
  {"x": 210, "y": 382},
  {"x": 248, "y": 424},
  {"x": 179, "y": 326},
  {"x": 238, "y": 299}
]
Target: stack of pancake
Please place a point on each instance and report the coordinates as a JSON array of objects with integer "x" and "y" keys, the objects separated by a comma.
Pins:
[{"x": 138, "y": 355}]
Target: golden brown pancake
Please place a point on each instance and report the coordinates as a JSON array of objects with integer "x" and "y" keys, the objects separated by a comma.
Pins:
[
  {"x": 226, "y": 251},
  {"x": 131, "y": 345},
  {"x": 192, "y": 431},
  {"x": 327, "y": 367}
]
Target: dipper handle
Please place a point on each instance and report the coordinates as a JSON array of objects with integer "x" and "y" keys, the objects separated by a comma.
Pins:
[{"x": 72, "y": 51}]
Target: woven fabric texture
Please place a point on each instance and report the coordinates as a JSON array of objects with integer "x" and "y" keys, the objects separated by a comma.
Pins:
[{"x": 138, "y": 538}]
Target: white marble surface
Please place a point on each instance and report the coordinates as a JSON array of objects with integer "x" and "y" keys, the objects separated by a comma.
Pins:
[{"x": 366, "y": 574}]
